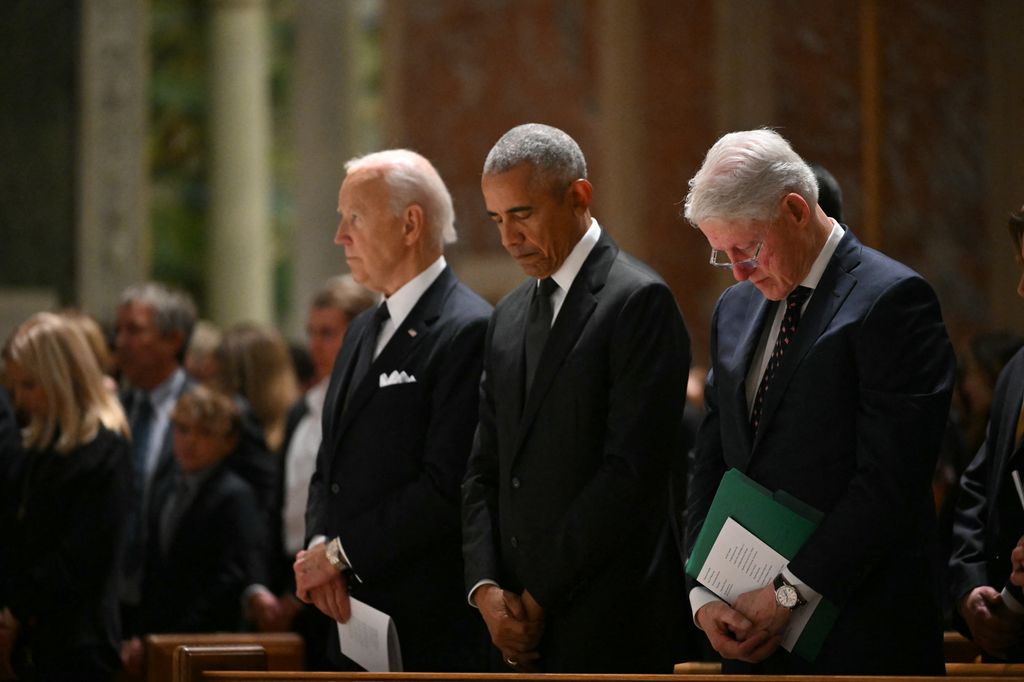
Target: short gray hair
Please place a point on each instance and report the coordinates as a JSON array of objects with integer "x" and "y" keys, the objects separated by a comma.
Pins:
[
  {"x": 554, "y": 155},
  {"x": 745, "y": 175},
  {"x": 173, "y": 309},
  {"x": 413, "y": 180},
  {"x": 344, "y": 294}
]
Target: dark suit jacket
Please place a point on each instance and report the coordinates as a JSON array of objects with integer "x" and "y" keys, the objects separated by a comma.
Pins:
[
  {"x": 566, "y": 493},
  {"x": 989, "y": 519},
  {"x": 197, "y": 586},
  {"x": 389, "y": 468},
  {"x": 63, "y": 552},
  {"x": 851, "y": 425}
]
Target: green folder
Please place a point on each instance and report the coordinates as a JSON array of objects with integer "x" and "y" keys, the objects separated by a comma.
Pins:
[{"x": 781, "y": 521}]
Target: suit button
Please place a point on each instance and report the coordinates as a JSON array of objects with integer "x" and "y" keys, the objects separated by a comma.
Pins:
[
  {"x": 335, "y": 488},
  {"x": 514, "y": 542},
  {"x": 515, "y": 483}
]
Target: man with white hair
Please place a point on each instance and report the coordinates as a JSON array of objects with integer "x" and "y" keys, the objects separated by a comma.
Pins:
[
  {"x": 831, "y": 380},
  {"x": 383, "y": 513}
]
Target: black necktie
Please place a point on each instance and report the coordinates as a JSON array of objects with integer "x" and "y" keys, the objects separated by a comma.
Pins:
[
  {"x": 141, "y": 425},
  {"x": 538, "y": 325},
  {"x": 367, "y": 346},
  {"x": 790, "y": 321}
]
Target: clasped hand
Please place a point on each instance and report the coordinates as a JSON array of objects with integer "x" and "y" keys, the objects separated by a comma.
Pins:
[
  {"x": 319, "y": 583},
  {"x": 515, "y": 622},
  {"x": 750, "y": 630}
]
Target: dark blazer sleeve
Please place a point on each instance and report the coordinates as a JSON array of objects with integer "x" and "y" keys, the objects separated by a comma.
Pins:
[
  {"x": 480, "y": 488},
  {"x": 708, "y": 463},
  {"x": 976, "y": 518},
  {"x": 906, "y": 368},
  {"x": 81, "y": 555},
  {"x": 414, "y": 516}
]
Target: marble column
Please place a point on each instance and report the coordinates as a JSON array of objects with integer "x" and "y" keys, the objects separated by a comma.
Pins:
[
  {"x": 240, "y": 264},
  {"x": 323, "y": 94},
  {"x": 113, "y": 241}
]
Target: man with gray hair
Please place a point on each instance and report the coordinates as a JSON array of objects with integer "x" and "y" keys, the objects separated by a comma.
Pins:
[
  {"x": 154, "y": 324},
  {"x": 382, "y": 520},
  {"x": 831, "y": 380},
  {"x": 566, "y": 520}
]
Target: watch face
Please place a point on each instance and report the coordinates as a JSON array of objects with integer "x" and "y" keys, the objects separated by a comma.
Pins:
[{"x": 786, "y": 596}]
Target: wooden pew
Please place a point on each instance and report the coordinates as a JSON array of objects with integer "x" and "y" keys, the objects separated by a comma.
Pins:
[
  {"x": 191, "y": 661},
  {"x": 959, "y": 649},
  {"x": 284, "y": 650},
  {"x": 229, "y": 676}
]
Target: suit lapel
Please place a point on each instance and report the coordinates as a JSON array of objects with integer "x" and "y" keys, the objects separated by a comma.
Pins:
[
  {"x": 579, "y": 304},
  {"x": 1006, "y": 431},
  {"x": 401, "y": 344},
  {"x": 737, "y": 366},
  {"x": 835, "y": 285}
]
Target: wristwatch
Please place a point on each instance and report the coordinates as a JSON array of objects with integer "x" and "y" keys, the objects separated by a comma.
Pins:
[
  {"x": 334, "y": 555},
  {"x": 786, "y": 595}
]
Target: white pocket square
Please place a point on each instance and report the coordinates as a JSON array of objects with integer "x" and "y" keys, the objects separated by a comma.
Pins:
[{"x": 396, "y": 378}]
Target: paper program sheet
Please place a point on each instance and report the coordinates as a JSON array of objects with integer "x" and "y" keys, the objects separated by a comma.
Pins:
[
  {"x": 370, "y": 639},
  {"x": 740, "y": 562}
]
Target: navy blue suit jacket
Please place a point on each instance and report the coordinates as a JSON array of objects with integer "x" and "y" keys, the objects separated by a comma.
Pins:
[
  {"x": 851, "y": 425},
  {"x": 388, "y": 473}
]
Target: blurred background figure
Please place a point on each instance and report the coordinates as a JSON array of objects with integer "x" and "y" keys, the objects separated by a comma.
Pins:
[
  {"x": 253, "y": 362},
  {"x": 204, "y": 544},
  {"x": 65, "y": 508},
  {"x": 989, "y": 512},
  {"x": 154, "y": 324},
  {"x": 830, "y": 195},
  {"x": 201, "y": 356},
  {"x": 273, "y": 606},
  {"x": 97, "y": 340}
]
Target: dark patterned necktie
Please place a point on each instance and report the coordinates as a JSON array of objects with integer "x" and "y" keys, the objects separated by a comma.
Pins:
[
  {"x": 790, "y": 321},
  {"x": 367, "y": 348},
  {"x": 538, "y": 325},
  {"x": 141, "y": 425}
]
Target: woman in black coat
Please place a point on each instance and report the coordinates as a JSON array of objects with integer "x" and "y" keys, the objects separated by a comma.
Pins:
[{"x": 64, "y": 508}]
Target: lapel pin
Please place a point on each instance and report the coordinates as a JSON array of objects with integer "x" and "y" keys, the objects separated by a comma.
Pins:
[{"x": 412, "y": 332}]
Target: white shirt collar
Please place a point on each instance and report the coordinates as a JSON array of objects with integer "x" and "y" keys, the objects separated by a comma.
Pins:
[
  {"x": 821, "y": 262},
  {"x": 566, "y": 274},
  {"x": 163, "y": 397},
  {"x": 401, "y": 303}
]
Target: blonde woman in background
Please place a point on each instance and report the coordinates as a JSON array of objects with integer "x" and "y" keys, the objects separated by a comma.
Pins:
[
  {"x": 64, "y": 509},
  {"x": 253, "y": 361}
]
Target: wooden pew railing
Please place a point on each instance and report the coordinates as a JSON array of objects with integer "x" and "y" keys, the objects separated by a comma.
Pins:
[
  {"x": 227, "y": 676},
  {"x": 190, "y": 662},
  {"x": 283, "y": 650}
]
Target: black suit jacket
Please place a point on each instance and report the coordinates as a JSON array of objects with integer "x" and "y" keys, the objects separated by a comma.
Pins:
[
  {"x": 197, "y": 585},
  {"x": 989, "y": 519},
  {"x": 64, "y": 550},
  {"x": 566, "y": 492},
  {"x": 851, "y": 425},
  {"x": 389, "y": 468}
]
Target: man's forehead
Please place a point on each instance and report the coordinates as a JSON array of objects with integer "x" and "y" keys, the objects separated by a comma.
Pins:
[{"x": 724, "y": 233}]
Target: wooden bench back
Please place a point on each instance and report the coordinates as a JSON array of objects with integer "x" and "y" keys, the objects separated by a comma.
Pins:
[
  {"x": 284, "y": 650},
  {"x": 512, "y": 677},
  {"x": 191, "y": 661}
]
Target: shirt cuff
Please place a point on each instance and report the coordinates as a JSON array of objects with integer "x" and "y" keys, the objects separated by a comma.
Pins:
[
  {"x": 485, "y": 581},
  {"x": 1011, "y": 601},
  {"x": 699, "y": 597},
  {"x": 807, "y": 593}
]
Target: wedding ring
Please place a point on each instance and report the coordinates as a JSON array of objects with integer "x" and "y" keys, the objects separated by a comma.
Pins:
[{"x": 511, "y": 662}]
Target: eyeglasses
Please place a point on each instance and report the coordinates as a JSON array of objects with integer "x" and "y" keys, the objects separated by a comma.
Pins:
[{"x": 720, "y": 259}]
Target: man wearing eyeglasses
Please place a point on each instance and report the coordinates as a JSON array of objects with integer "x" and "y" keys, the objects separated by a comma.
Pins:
[{"x": 831, "y": 380}]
